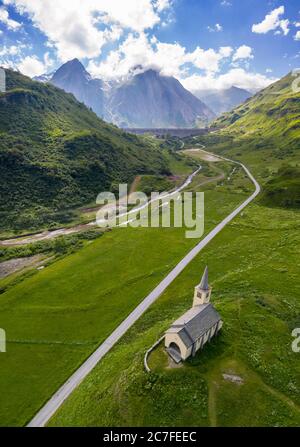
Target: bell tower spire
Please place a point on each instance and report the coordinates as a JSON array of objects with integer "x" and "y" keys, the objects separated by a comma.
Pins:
[{"x": 202, "y": 291}]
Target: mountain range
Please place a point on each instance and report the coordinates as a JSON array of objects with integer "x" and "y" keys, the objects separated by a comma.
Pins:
[
  {"x": 146, "y": 99},
  {"x": 225, "y": 100},
  {"x": 152, "y": 100}
]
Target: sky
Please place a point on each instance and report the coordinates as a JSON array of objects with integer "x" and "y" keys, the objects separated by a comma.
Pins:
[{"x": 206, "y": 44}]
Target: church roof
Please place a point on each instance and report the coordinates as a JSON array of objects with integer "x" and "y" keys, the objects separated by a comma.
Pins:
[
  {"x": 204, "y": 281},
  {"x": 195, "y": 323}
]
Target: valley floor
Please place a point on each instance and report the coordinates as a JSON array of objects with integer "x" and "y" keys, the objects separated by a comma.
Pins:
[
  {"x": 253, "y": 265},
  {"x": 55, "y": 318}
]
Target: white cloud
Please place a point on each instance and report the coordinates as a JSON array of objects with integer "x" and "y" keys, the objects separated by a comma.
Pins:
[
  {"x": 237, "y": 77},
  {"x": 11, "y": 55},
  {"x": 73, "y": 27},
  {"x": 139, "y": 51},
  {"x": 80, "y": 28},
  {"x": 215, "y": 29},
  {"x": 284, "y": 25},
  {"x": 297, "y": 35},
  {"x": 10, "y": 23},
  {"x": 12, "y": 50},
  {"x": 31, "y": 66},
  {"x": 208, "y": 60},
  {"x": 169, "y": 58},
  {"x": 132, "y": 52},
  {"x": 161, "y": 5},
  {"x": 225, "y": 3},
  {"x": 225, "y": 51},
  {"x": 243, "y": 52},
  {"x": 48, "y": 62},
  {"x": 272, "y": 22},
  {"x": 174, "y": 60}
]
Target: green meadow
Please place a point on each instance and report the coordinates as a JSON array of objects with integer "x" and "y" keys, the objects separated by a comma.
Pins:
[
  {"x": 254, "y": 267},
  {"x": 249, "y": 375},
  {"x": 55, "y": 318}
]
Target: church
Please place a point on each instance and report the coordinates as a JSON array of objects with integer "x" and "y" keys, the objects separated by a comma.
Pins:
[{"x": 196, "y": 327}]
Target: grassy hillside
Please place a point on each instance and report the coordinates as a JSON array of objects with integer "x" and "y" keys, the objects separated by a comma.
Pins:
[
  {"x": 284, "y": 189},
  {"x": 55, "y": 154},
  {"x": 265, "y": 133},
  {"x": 273, "y": 114}
]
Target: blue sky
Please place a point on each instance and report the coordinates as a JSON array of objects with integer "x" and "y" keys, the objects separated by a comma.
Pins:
[{"x": 206, "y": 44}]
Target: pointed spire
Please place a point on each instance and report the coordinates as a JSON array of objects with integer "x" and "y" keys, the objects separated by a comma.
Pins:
[{"x": 204, "y": 281}]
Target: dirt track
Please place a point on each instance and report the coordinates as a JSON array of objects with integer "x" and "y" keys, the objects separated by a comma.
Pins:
[{"x": 15, "y": 265}]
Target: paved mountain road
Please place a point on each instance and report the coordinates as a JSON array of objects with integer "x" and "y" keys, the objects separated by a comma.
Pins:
[{"x": 48, "y": 410}]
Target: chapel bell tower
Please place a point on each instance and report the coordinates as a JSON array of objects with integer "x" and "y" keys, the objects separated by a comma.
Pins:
[{"x": 202, "y": 291}]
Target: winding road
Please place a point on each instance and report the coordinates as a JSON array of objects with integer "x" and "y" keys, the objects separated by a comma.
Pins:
[
  {"x": 45, "y": 235},
  {"x": 48, "y": 410}
]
